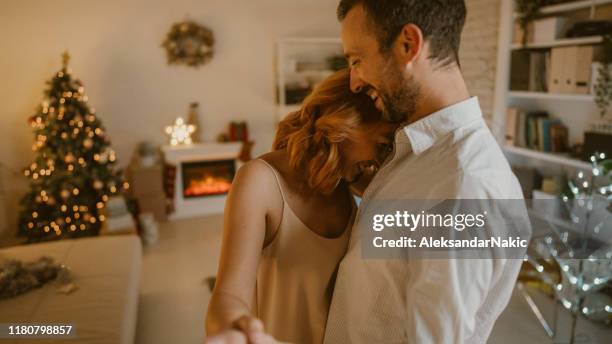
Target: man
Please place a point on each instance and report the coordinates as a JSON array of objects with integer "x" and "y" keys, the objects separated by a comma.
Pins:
[{"x": 404, "y": 55}]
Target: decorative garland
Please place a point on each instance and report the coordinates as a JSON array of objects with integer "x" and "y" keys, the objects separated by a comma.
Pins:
[{"x": 189, "y": 43}]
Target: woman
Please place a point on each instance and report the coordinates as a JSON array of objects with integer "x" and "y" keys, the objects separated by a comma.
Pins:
[{"x": 289, "y": 214}]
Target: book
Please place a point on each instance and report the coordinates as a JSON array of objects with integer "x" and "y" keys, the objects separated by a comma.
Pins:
[
  {"x": 545, "y": 143},
  {"x": 521, "y": 129},
  {"x": 519, "y": 70},
  {"x": 511, "y": 126},
  {"x": 532, "y": 136},
  {"x": 558, "y": 138},
  {"x": 538, "y": 80}
]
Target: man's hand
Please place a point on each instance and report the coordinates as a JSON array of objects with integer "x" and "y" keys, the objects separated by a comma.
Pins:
[
  {"x": 227, "y": 337},
  {"x": 253, "y": 328},
  {"x": 247, "y": 330}
]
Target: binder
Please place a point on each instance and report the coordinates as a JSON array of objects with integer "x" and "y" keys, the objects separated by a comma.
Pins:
[
  {"x": 557, "y": 62},
  {"x": 571, "y": 69},
  {"x": 582, "y": 78},
  {"x": 511, "y": 129}
]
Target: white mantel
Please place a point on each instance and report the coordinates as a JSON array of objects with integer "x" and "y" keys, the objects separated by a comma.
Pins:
[{"x": 176, "y": 155}]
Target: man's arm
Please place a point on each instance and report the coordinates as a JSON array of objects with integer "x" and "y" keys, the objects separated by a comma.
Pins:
[{"x": 444, "y": 297}]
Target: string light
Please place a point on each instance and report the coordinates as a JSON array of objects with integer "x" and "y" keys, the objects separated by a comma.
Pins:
[{"x": 78, "y": 130}]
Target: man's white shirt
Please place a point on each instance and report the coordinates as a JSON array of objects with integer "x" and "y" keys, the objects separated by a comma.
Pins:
[{"x": 450, "y": 154}]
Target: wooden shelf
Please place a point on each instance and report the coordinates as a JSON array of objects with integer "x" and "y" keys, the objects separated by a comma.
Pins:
[
  {"x": 313, "y": 40},
  {"x": 559, "y": 43},
  {"x": 548, "y": 157},
  {"x": 551, "y": 96},
  {"x": 310, "y": 54},
  {"x": 320, "y": 74},
  {"x": 570, "y": 6}
]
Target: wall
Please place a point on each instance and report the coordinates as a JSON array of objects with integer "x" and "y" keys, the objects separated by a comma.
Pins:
[
  {"x": 478, "y": 53},
  {"x": 115, "y": 48}
]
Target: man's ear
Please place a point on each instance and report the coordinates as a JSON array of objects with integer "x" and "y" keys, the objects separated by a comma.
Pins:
[{"x": 409, "y": 43}]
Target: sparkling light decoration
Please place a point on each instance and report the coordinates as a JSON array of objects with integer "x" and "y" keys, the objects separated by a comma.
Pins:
[
  {"x": 74, "y": 170},
  {"x": 582, "y": 247},
  {"x": 180, "y": 132}
]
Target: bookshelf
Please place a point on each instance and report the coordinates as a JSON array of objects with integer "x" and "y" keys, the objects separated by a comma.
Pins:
[
  {"x": 559, "y": 43},
  {"x": 301, "y": 63},
  {"x": 571, "y": 6},
  {"x": 576, "y": 111},
  {"x": 548, "y": 157},
  {"x": 550, "y": 96}
]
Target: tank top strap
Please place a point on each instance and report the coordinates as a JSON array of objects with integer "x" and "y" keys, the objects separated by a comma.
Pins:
[{"x": 278, "y": 178}]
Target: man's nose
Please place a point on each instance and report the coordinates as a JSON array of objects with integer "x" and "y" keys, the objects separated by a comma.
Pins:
[{"x": 356, "y": 82}]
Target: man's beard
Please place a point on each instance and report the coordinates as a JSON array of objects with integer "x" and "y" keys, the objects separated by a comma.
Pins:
[{"x": 399, "y": 94}]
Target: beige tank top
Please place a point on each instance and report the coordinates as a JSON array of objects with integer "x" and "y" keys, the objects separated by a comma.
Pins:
[{"x": 296, "y": 276}]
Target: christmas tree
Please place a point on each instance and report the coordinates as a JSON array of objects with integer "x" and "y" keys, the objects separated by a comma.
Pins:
[{"x": 74, "y": 172}]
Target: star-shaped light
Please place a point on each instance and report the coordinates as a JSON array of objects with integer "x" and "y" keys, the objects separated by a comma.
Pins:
[{"x": 180, "y": 132}]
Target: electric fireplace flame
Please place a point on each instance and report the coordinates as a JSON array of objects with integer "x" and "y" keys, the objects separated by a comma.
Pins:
[
  {"x": 208, "y": 185},
  {"x": 207, "y": 178}
]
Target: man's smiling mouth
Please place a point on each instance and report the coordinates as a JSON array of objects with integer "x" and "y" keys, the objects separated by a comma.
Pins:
[{"x": 376, "y": 99}]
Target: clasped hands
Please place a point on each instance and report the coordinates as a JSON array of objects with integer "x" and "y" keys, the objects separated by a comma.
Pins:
[{"x": 246, "y": 330}]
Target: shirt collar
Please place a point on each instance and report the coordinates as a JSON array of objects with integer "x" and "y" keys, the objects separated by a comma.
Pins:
[{"x": 423, "y": 133}]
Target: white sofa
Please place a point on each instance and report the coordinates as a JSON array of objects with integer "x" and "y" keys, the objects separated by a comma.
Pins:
[{"x": 103, "y": 309}]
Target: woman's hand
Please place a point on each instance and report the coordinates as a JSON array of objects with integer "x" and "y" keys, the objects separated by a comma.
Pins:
[
  {"x": 253, "y": 328},
  {"x": 247, "y": 330}
]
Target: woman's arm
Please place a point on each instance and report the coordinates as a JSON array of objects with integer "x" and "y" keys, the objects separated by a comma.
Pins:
[{"x": 248, "y": 206}]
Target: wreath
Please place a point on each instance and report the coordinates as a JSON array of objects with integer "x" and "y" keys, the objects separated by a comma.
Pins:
[{"x": 189, "y": 43}]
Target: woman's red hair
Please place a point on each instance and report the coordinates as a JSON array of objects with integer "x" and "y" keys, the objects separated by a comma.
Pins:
[{"x": 312, "y": 136}]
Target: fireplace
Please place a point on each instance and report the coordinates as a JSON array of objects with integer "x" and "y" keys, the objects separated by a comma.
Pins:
[
  {"x": 207, "y": 178},
  {"x": 204, "y": 173}
]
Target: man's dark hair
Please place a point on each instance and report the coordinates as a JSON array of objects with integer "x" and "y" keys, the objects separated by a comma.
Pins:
[{"x": 441, "y": 22}]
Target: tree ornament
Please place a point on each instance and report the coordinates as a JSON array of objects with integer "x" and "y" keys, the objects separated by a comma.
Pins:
[
  {"x": 98, "y": 185},
  {"x": 69, "y": 158}
]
